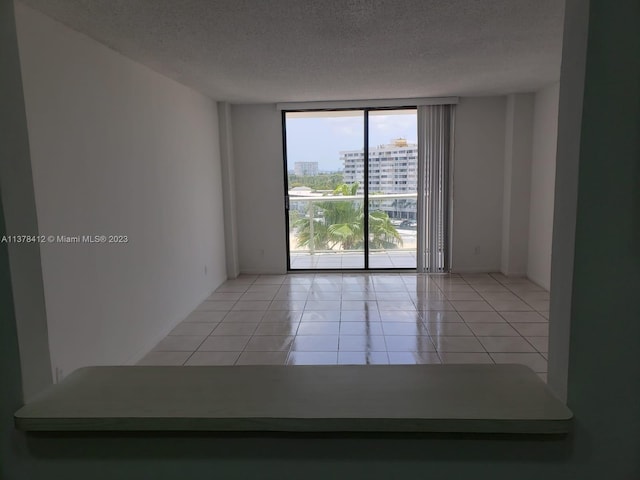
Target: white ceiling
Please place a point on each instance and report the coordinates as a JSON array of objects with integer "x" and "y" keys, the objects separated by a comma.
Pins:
[{"x": 247, "y": 51}]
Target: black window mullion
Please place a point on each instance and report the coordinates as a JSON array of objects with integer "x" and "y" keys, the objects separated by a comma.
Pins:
[
  {"x": 286, "y": 187},
  {"x": 366, "y": 189}
]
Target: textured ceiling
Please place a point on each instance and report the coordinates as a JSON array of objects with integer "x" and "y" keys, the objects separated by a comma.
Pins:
[{"x": 248, "y": 51}]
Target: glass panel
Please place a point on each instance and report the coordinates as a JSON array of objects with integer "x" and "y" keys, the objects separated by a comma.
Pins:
[
  {"x": 325, "y": 198},
  {"x": 393, "y": 188}
]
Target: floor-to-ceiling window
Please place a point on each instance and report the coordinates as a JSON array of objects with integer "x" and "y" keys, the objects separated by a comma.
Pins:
[{"x": 351, "y": 180}]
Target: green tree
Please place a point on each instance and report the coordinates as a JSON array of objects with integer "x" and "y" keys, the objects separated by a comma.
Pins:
[
  {"x": 322, "y": 181},
  {"x": 341, "y": 225}
]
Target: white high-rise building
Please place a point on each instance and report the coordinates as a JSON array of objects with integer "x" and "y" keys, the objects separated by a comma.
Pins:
[{"x": 393, "y": 168}]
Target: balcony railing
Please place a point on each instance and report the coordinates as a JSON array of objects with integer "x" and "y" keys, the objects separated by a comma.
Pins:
[{"x": 307, "y": 207}]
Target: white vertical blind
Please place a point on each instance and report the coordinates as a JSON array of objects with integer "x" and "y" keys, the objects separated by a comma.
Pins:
[{"x": 435, "y": 152}]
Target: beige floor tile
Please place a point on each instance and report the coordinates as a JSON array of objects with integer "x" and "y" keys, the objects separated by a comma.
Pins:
[
  {"x": 362, "y": 316},
  {"x": 523, "y": 317},
  {"x": 390, "y": 305},
  {"x": 282, "y": 316},
  {"x": 409, "y": 343},
  {"x": 404, "y": 328},
  {"x": 464, "y": 296},
  {"x": 452, "y": 329},
  {"x": 283, "y": 328},
  {"x": 225, "y": 296},
  {"x": 510, "y": 306},
  {"x": 401, "y": 316},
  {"x": 362, "y": 343},
  {"x": 191, "y": 328},
  {"x": 205, "y": 317},
  {"x": 232, "y": 288},
  {"x": 319, "y": 328},
  {"x": 361, "y": 328},
  {"x": 257, "y": 296},
  {"x": 485, "y": 317},
  {"x": 322, "y": 305},
  {"x": 269, "y": 343},
  {"x": 230, "y": 343},
  {"x": 321, "y": 316},
  {"x": 299, "y": 296},
  {"x": 215, "y": 306},
  {"x": 441, "y": 317},
  {"x": 435, "y": 305},
  {"x": 353, "y": 296},
  {"x": 235, "y": 328},
  {"x": 493, "y": 329},
  {"x": 297, "y": 305},
  {"x": 490, "y": 287},
  {"x": 244, "y": 317},
  {"x": 245, "y": 305},
  {"x": 182, "y": 343},
  {"x": 457, "y": 344},
  {"x": 315, "y": 343},
  {"x": 471, "y": 306},
  {"x": 270, "y": 280},
  {"x": 322, "y": 296},
  {"x": 295, "y": 287},
  {"x": 500, "y": 297},
  {"x": 538, "y": 329},
  {"x": 359, "y": 305},
  {"x": 506, "y": 344},
  {"x": 263, "y": 289}
]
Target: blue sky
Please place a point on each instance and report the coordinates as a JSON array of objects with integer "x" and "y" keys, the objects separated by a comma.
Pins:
[{"x": 319, "y": 139}]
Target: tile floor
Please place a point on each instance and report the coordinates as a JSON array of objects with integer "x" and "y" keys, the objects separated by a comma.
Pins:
[{"x": 364, "y": 318}]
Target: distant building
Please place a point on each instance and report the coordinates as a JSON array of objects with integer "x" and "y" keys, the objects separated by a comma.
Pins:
[
  {"x": 305, "y": 169},
  {"x": 393, "y": 168}
]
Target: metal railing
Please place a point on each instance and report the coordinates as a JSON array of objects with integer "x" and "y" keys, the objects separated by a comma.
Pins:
[{"x": 310, "y": 212}]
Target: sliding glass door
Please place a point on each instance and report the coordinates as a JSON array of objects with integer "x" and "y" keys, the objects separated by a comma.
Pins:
[
  {"x": 325, "y": 204},
  {"x": 392, "y": 188},
  {"x": 351, "y": 189}
]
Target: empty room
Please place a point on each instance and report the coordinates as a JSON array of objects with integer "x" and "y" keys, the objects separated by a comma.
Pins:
[
  {"x": 184, "y": 178},
  {"x": 276, "y": 229}
]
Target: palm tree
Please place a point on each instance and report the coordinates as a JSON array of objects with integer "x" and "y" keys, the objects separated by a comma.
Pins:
[{"x": 342, "y": 225}]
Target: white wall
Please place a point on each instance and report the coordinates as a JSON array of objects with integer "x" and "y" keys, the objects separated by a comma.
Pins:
[
  {"x": 227, "y": 169},
  {"x": 478, "y": 184},
  {"x": 517, "y": 183},
  {"x": 543, "y": 170},
  {"x": 259, "y": 174},
  {"x": 118, "y": 149}
]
